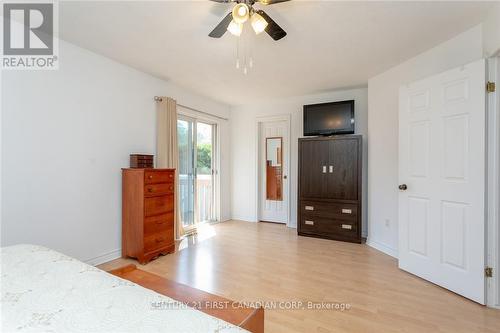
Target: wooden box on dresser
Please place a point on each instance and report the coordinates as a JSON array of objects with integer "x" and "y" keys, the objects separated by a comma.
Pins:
[
  {"x": 147, "y": 213},
  {"x": 330, "y": 180}
]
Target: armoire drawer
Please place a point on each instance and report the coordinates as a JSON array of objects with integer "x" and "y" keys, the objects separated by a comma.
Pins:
[
  {"x": 154, "y": 177},
  {"x": 325, "y": 226},
  {"x": 158, "y": 205},
  {"x": 336, "y": 210},
  {"x": 152, "y": 190}
]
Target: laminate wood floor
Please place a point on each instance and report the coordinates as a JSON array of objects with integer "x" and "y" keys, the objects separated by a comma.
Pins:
[{"x": 267, "y": 262}]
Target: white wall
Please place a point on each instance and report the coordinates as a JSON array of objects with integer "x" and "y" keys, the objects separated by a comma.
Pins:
[
  {"x": 491, "y": 32},
  {"x": 244, "y": 140},
  {"x": 65, "y": 136},
  {"x": 383, "y": 91}
]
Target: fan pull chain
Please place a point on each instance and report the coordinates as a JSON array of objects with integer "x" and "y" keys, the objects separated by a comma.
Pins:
[
  {"x": 237, "y": 53},
  {"x": 245, "y": 51}
]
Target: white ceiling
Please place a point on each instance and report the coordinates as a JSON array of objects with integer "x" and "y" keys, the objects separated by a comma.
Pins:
[{"x": 330, "y": 45}]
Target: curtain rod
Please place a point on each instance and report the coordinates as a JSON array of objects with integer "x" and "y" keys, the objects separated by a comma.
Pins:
[{"x": 159, "y": 99}]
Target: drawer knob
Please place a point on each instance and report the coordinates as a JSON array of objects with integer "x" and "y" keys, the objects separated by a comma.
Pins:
[
  {"x": 160, "y": 222},
  {"x": 309, "y": 222},
  {"x": 150, "y": 177},
  {"x": 309, "y": 208},
  {"x": 171, "y": 176},
  {"x": 171, "y": 188},
  {"x": 159, "y": 240},
  {"x": 150, "y": 190},
  {"x": 346, "y": 211},
  {"x": 346, "y": 226}
]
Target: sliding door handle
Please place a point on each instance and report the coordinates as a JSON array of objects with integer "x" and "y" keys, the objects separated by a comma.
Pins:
[
  {"x": 330, "y": 168},
  {"x": 324, "y": 168}
]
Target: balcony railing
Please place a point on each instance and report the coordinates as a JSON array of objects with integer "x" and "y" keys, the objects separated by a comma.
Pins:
[{"x": 204, "y": 198}]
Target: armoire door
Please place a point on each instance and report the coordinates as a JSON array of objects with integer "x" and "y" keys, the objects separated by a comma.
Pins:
[
  {"x": 343, "y": 169},
  {"x": 313, "y": 168}
]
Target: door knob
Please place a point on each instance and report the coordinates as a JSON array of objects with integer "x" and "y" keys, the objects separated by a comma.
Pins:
[
  {"x": 403, "y": 187},
  {"x": 284, "y": 177}
]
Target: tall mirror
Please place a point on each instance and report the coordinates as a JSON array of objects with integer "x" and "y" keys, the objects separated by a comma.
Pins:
[{"x": 274, "y": 174}]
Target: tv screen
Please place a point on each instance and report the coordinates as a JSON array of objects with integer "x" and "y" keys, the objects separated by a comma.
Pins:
[{"x": 329, "y": 118}]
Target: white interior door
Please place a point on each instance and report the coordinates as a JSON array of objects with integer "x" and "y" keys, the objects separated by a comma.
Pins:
[
  {"x": 273, "y": 169},
  {"x": 442, "y": 164}
]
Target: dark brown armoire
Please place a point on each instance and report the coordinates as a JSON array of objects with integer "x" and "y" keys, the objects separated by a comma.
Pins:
[{"x": 330, "y": 180}]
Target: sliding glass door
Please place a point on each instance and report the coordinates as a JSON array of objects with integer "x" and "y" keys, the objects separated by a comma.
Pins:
[
  {"x": 196, "y": 140},
  {"x": 185, "y": 129}
]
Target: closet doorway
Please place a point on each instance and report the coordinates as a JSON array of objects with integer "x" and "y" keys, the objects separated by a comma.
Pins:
[{"x": 273, "y": 168}]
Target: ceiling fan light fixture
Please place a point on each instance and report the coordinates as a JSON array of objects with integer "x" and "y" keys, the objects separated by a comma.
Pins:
[
  {"x": 259, "y": 24},
  {"x": 241, "y": 13},
  {"x": 235, "y": 28}
]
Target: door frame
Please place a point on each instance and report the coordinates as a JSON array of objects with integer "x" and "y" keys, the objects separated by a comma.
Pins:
[
  {"x": 258, "y": 121},
  {"x": 492, "y": 236},
  {"x": 184, "y": 113}
]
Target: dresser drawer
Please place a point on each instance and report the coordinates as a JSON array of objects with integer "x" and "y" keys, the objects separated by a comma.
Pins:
[
  {"x": 325, "y": 226},
  {"x": 330, "y": 210},
  {"x": 157, "y": 241},
  {"x": 152, "y": 190},
  {"x": 154, "y": 177},
  {"x": 158, "y": 205},
  {"x": 160, "y": 223}
]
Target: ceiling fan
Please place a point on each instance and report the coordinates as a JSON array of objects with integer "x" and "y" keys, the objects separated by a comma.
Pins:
[{"x": 244, "y": 11}]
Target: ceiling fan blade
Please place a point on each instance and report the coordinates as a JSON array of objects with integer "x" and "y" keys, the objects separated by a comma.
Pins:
[
  {"x": 271, "y": 2},
  {"x": 272, "y": 29},
  {"x": 221, "y": 28}
]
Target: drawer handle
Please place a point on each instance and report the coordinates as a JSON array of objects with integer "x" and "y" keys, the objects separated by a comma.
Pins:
[
  {"x": 309, "y": 208},
  {"x": 309, "y": 222},
  {"x": 330, "y": 168},
  {"x": 171, "y": 188},
  {"x": 346, "y": 226},
  {"x": 171, "y": 176},
  {"x": 150, "y": 190},
  {"x": 150, "y": 177},
  {"x": 160, "y": 240},
  {"x": 346, "y": 211},
  {"x": 160, "y": 222},
  {"x": 324, "y": 168}
]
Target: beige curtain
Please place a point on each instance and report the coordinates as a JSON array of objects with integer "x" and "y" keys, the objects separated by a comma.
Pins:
[{"x": 167, "y": 151}]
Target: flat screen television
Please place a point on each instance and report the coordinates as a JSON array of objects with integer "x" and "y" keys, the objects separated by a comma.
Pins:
[{"x": 329, "y": 118}]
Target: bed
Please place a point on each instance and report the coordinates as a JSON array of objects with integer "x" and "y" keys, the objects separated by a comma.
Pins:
[{"x": 46, "y": 291}]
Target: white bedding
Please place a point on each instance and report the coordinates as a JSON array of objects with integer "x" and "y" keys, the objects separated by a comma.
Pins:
[{"x": 45, "y": 291}]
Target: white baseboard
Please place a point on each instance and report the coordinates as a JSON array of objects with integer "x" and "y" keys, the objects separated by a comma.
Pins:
[
  {"x": 115, "y": 254},
  {"x": 382, "y": 248},
  {"x": 243, "y": 218}
]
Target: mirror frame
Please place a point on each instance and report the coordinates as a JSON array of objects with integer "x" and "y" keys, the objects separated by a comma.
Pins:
[{"x": 279, "y": 196}]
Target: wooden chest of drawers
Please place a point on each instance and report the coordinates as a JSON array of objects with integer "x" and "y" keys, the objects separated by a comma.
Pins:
[{"x": 147, "y": 213}]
